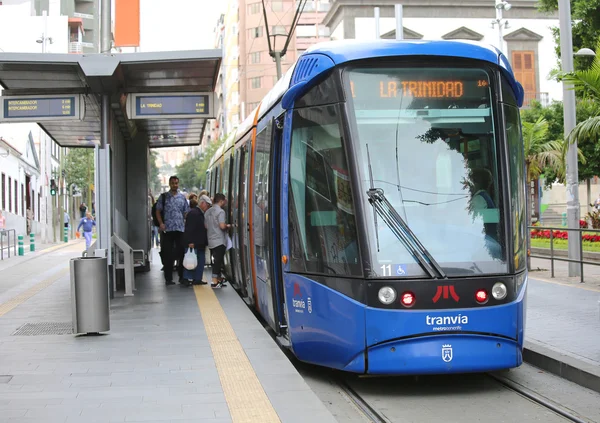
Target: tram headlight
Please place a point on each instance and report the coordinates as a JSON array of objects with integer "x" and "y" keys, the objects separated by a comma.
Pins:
[
  {"x": 387, "y": 295},
  {"x": 499, "y": 291}
]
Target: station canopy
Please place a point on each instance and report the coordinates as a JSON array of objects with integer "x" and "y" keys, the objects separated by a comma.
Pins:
[{"x": 123, "y": 76}]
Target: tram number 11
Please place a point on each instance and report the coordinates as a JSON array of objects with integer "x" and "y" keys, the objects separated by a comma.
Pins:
[{"x": 399, "y": 270}]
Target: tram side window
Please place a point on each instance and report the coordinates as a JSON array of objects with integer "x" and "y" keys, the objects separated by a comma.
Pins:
[
  {"x": 322, "y": 224},
  {"x": 517, "y": 183},
  {"x": 225, "y": 189}
]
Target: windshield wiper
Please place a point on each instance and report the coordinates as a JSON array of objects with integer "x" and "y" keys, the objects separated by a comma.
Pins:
[{"x": 399, "y": 227}]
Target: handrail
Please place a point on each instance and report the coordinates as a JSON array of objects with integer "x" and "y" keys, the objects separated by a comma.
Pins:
[
  {"x": 126, "y": 265},
  {"x": 3, "y": 233},
  {"x": 552, "y": 258}
]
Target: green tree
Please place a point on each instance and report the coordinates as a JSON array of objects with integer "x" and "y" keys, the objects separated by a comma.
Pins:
[
  {"x": 585, "y": 25},
  {"x": 153, "y": 177},
  {"x": 189, "y": 178},
  {"x": 587, "y": 83},
  {"x": 79, "y": 170},
  {"x": 192, "y": 172},
  {"x": 553, "y": 114}
]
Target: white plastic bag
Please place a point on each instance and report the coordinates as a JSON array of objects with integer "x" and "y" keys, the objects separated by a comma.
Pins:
[
  {"x": 190, "y": 260},
  {"x": 229, "y": 243}
]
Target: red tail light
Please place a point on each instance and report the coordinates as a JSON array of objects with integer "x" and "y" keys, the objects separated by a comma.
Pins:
[
  {"x": 407, "y": 299},
  {"x": 481, "y": 296}
]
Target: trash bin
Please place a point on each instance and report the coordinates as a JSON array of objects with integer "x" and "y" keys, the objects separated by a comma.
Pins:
[{"x": 89, "y": 295}]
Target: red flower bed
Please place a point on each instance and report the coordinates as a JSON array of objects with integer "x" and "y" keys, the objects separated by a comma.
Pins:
[{"x": 545, "y": 234}]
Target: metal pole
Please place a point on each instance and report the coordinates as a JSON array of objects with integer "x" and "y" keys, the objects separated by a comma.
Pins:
[
  {"x": 105, "y": 39},
  {"x": 377, "y": 36},
  {"x": 102, "y": 188},
  {"x": 277, "y": 55},
  {"x": 399, "y": 25},
  {"x": 573, "y": 207},
  {"x": 45, "y": 34},
  {"x": 499, "y": 22}
]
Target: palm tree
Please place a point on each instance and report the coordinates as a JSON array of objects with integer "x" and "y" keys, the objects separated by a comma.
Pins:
[
  {"x": 541, "y": 153},
  {"x": 587, "y": 84}
]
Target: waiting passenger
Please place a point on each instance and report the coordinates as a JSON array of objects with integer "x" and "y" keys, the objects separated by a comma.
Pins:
[{"x": 216, "y": 228}]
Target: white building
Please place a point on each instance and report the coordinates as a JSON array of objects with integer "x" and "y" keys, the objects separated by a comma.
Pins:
[
  {"x": 28, "y": 156},
  {"x": 526, "y": 34}
]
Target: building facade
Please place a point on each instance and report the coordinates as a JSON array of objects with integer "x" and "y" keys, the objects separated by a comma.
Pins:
[
  {"x": 82, "y": 19},
  {"x": 256, "y": 67},
  {"x": 28, "y": 156},
  {"x": 524, "y": 34}
]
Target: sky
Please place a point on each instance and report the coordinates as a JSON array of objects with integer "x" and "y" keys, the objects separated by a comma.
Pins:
[{"x": 179, "y": 24}]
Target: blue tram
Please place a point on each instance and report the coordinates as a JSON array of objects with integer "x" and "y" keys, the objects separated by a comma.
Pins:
[{"x": 378, "y": 201}]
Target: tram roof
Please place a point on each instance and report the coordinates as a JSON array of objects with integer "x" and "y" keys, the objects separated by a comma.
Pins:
[
  {"x": 344, "y": 51},
  {"x": 119, "y": 74}
]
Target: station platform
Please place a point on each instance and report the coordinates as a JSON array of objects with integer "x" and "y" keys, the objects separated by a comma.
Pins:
[
  {"x": 173, "y": 354},
  {"x": 563, "y": 323}
]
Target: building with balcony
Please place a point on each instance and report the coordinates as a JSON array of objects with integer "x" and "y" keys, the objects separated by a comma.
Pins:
[
  {"x": 82, "y": 15},
  {"x": 524, "y": 35}
]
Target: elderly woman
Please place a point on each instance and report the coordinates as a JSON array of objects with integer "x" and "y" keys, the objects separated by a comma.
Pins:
[{"x": 195, "y": 238}]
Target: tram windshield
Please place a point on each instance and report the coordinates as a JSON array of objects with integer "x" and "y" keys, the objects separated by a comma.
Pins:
[{"x": 425, "y": 139}]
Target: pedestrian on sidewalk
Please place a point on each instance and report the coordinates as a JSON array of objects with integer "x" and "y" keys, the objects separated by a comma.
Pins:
[
  {"x": 88, "y": 223},
  {"x": 67, "y": 219},
  {"x": 216, "y": 227},
  {"x": 170, "y": 216},
  {"x": 196, "y": 238}
]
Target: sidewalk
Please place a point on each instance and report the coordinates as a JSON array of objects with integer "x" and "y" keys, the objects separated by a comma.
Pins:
[
  {"x": 40, "y": 250},
  {"x": 562, "y": 330},
  {"x": 173, "y": 354}
]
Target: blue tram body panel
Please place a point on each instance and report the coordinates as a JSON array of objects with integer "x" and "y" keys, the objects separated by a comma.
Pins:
[
  {"x": 456, "y": 353},
  {"x": 503, "y": 320},
  {"x": 325, "y": 327}
]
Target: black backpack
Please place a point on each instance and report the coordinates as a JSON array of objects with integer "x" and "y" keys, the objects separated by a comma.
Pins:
[{"x": 155, "y": 221}]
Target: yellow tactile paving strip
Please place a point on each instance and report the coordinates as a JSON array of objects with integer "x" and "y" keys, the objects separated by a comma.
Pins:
[
  {"x": 24, "y": 296},
  {"x": 245, "y": 396}
]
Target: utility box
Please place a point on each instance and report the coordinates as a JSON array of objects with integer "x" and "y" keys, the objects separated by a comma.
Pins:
[{"x": 89, "y": 295}]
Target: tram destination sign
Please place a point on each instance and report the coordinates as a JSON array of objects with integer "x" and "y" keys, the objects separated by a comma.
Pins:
[
  {"x": 41, "y": 108},
  {"x": 171, "y": 105}
]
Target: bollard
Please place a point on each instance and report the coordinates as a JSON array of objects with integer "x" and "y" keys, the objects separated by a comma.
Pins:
[
  {"x": 32, "y": 242},
  {"x": 21, "y": 249},
  {"x": 66, "y": 234}
]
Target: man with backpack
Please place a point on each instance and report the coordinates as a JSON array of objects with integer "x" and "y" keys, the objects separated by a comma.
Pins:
[{"x": 171, "y": 209}]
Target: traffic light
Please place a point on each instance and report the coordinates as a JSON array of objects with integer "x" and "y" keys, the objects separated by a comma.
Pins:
[{"x": 52, "y": 187}]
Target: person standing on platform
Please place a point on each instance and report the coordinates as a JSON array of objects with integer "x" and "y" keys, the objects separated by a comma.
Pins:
[
  {"x": 196, "y": 238},
  {"x": 88, "y": 223},
  {"x": 216, "y": 228},
  {"x": 171, "y": 219}
]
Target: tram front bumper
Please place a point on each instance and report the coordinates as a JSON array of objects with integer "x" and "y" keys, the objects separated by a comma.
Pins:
[{"x": 439, "y": 354}]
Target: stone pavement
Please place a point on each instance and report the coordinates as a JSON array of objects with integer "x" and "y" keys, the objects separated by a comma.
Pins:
[
  {"x": 158, "y": 363},
  {"x": 562, "y": 329},
  {"x": 40, "y": 249}
]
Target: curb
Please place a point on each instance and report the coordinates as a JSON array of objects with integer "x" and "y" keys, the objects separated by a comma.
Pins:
[{"x": 562, "y": 365}]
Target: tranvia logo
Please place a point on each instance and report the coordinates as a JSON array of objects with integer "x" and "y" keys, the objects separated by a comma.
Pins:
[
  {"x": 447, "y": 353},
  {"x": 447, "y": 323},
  {"x": 298, "y": 304}
]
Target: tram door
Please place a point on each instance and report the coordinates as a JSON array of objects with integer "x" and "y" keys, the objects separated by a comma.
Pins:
[
  {"x": 234, "y": 208},
  {"x": 275, "y": 222},
  {"x": 261, "y": 209},
  {"x": 244, "y": 227}
]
